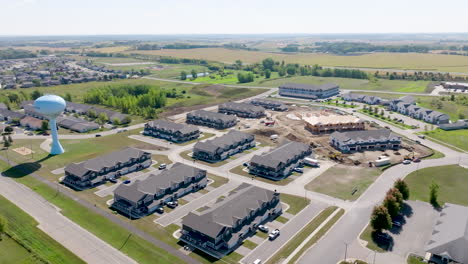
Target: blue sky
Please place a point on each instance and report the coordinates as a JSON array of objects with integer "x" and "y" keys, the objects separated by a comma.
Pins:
[{"x": 59, "y": 17}]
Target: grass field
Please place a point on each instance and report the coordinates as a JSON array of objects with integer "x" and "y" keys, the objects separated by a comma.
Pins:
[
  {"x": 458, "y": 138},
  {"x": 340, "y": 181},
  {"x": 289, "y": 247},
  {"x": 24, "y": 229},
  {"x": 413, "y": 61},
  {"x": 452, "y": 179},
  {"x": 415, "y": 260},
  {"x": 347, "y": 83}
]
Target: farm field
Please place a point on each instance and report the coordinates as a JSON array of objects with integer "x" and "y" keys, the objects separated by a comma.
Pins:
[
  {"x": 452, "y": 180},
  {"x": 411, "y": 61},
  {"x": 340, "y": 181},
  {"x": 24, "y": 228}
]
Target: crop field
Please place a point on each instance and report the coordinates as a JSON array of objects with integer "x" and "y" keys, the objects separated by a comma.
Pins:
[{"x": 412, "y": 61}]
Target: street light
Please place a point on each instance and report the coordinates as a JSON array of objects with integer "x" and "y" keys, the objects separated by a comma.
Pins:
[{"x": 346, "y": 251}]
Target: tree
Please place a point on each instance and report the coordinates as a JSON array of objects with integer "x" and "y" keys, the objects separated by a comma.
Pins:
[
  {"x": 403, "y": 188},
  {"x": 238, "y": 64},
  {"x": 183, "y": 75},
  {"x": 68, "y": 97},
  {"x": 36, "y": 94},
  {"x": 126, "y": 120},
  {"x": 281, "y": 71},
  {"x": 6, "y": 144},
  {"x": 10, "y": 139},
  {"x": 102, "y": 118},
  {"x": 3, "y": 226},
  {"x": 396, "y": 193},
  {"x": 44, "y": 125},
  {"x": 434, "y": 194},
  {"x": 393, "y": 207},
  {"x": 380, "y": 219},
  {"x": 92, "y": 113},
  {"x": 116, "y": 121},
  {"x": 194, "y": 74},
  {"x": 268, "y": 63},
  {"x": 8, "y": 129},
  {"x": 267, "y": 74}
]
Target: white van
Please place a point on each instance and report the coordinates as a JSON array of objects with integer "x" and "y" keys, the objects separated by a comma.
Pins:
[{"x": 257, "y": 261}]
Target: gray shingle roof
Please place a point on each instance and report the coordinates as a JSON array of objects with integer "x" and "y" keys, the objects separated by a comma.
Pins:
[
  {"x": 280, "y": 154},
  {"x": 212, "y": 116},
  {"x": 222, "y": 142},
  {"x": 242, "y": 107},
  {"x": 237, "y": 205},
  {"x": 365, "y": 135},
  {"x": 11, "y": 114},
  {"x": 178, "y": 173},
  {"x": 450, "y": 235},
  {"x": 172, "y": 127},
  {"x": 80, "y": 169},
  {"x": 318, "y": 87}
]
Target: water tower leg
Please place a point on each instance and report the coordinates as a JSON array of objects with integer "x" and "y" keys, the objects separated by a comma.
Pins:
[{"x": 56, "y": 148}]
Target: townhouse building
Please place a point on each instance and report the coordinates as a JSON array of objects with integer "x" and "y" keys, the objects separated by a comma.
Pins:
[
  {"x": 362, "y": 98},
  {"x": 86, "y": 174},
  {"x": 270, "y": 104},
  {"x": 221, "y": 148},
  {"x": 220, "y": 229},
  {"x": 406, "y": 106},
  {"x": 171, "y": 131},
  {"x": 241, "y": 110},
  {"x": 211, "y": 119},
  {"x": 278, "y": 163},
  {"x": 352, "y": 141},
  {"x": 143, "y": 197}
]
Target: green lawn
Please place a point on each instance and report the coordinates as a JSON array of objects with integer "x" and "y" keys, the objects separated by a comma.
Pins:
[
  {"x": 415, "y": 260},
  {"x": 340, "y": 181},
  {"x": 367, "y": 235},
  {"x": 457, "y": 138},
  {"x": 282, "y": 219},
  {"x": 452, "y": 179},
  {"x": 289, "y": 247},
  {"x": 28, "y": 237},
  {"x": 249, "y": 244},
  {"x": 296, "y": 203},
  {"x": 16, "y": 252}
]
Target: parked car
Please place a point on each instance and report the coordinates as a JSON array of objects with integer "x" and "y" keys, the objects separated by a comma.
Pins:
[
  {"x": 246, "y": 164},
  {"x": 396, "y": 223},
  {"x": 98, "y": 135},
  {"x": 300, "y": 170},
  {"x": 162, "y": 166},
  {"x": 160, "y": 210},
  {"x": 422, "y": 136},
  {"x": 387, "y": 127},
  {"x": 416, "y": 160},
  {"x": 274, "y": 234},
  {"x": 30, "y": 134},
  {"x": 127, "y": 181},
  {"x": 418, "y": 142},
  {"x": 172, "y": 204},
  {"x": 263, "y": 228},
  {"x": 406, "y": 161},
  {"x": 257, "y": 261},
  {"x": 113, "y": 180}
]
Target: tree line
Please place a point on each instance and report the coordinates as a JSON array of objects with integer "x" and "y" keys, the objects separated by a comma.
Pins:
[
  {"x": 143, "y": 100},
  {"x": 10, "y": 53}
]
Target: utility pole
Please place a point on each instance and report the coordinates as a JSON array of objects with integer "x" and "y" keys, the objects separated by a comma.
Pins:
[
  {"x": 346, "y": 251},
  {"x": 375, "y": 253}
]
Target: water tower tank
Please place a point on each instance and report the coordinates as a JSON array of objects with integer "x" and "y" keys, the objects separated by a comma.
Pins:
[{"x": 51, "y": 106}]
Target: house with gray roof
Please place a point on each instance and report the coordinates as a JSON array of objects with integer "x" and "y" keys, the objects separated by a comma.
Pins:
[
  {"x": 460, "y": 124},
  {"x": 86, "y": 174},
  {"x": 353, "y": 141},
  {"x": 221, "y": 228},
  {"x": 309, "y": 91},
  {"x": 171, "y": 131},
  {"x": 362, "y": 98},
  {"x": 449, "y": 240},
  {"x": 9, "y": 116},
  {"x": 406, "y": 105},
  {"x": 211, "y": 119},
  {"x": 405, "y": 100},
  {"x": 279, "y": 163},
  {"x": 83, "y": 109},
  {"x": 143, "y": 197},
  {"x": 76, "y": 124},
  {"x": 221, "y": 148},
  {"x": 270, "y": 104},
  {"x": 241, "y": 110}
]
